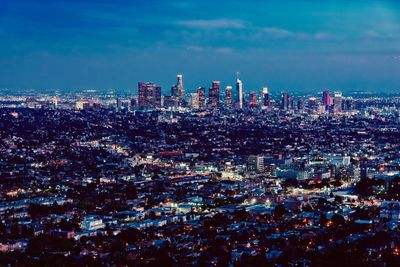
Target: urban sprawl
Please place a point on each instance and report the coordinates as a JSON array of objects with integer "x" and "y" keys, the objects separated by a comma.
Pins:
[{"x": 218, "y": 177}]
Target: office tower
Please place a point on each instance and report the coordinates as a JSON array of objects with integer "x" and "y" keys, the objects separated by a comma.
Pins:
[
  {"x": 300, "y": 105},
  {"x": 142, "y": 95},
  {"x": 213, "y": 94},
  {"x": 255, "y": 163},
  {"x": 321, "y": 109},
  {"x": 239, "y": 94},
  {"x": 265, "y": 101},
  {"x": 285, "y": 103},
  {"x": 291, "y": 102},
  {"x": 201, "y": 91},
  {"x": 337, "y": 101},
  {"x": 312, "y": 103},
  {"x": 119, "y": 104},
  {"x": 82, "y": 104},
  {"x": 337, "y": 104},
  {"x": 158, "y": 97},
  {"x": 347, "y": 104},
  {"x": 228, "y": 96},
  {"x": 326, "y": 99},
  {"x": 170, "y": 102},
  {"x": 178, "y": 91},
  {"x": 337, "y": 94},
  {"x": 253, "y": 99},
  {"x": 194, "y": 101},
  {"x": 149, "y": 95}
]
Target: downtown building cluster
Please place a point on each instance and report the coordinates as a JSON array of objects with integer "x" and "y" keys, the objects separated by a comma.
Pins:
[{"x": 150, "y": 98}]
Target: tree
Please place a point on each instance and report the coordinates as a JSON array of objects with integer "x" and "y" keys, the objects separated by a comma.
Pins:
[
  {"x": 338, "y": 220},
  {"x": 279, "y": 211}
]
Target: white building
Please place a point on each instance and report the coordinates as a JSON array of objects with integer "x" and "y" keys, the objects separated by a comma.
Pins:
[
  {"x": 239, "y": 93},
  {"x": 92, "y": 223},
  {"x": 194, "y": 101}
]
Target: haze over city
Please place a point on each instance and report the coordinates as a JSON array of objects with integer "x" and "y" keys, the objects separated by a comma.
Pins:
[{"x": 285, "y": 45}]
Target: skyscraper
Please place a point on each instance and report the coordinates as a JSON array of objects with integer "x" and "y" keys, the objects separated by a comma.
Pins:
[
  {"x": 119, "y": 104},
  {"x": 201, "y": 91},
  {"x": 213, "y": 94},
  {"x": 194, "y": 101},
  {"x": 337, "y": 101},
  {"x": 228, "y": 96},
  {"x": 253, "y": 99},
  {"x": 300, "y": 105},
  {"x": 149, "y": 95},
  {"x": 170, "y": 102},
  {"x": 239, "y": 93},
  {"x": 326, "y": 99},
  {"x": 285, "y": 103},
  {"x": 266, "y": 102},
  {"x": 347, "y": 104},
  {"x": 178, "y": 91}
]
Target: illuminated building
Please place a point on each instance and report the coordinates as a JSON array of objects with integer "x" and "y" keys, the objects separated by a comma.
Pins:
[
  {"x": 149, "y": 96},
  {"x": 228, "y": 96},
  {"x": 213, "y": 94}
]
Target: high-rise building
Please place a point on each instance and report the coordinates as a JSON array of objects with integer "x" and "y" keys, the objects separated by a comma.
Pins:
[
  {"x": 326, "y": 98},
  {"x": 149, "y": 95},
  {"x": 119, "y": 104},
  {"x": 194, "y": 101},
  {"x": 239, "y": 94},
  {"x": 312, "y": 103},
  {"x": 266, "y": 101},
  {"x": 82, "y": 104},
  {"x": 213, "y": 94},
  {"x": 337, "y": 101},
  {"x": 201, "y": 91},
  {"x": 286, "y": 102},
  {"x": 228, "y": 96},
  {"x": 300, "y": 105},
  {"x": 253, "y": 99},
  {"x": 255, "y": 163},
  {"x": 157, "y": 97},
  {"x": 347, "y": 104},
  {"x": 170, "y": 102},
  {"x": 178, "y": 91},
  {"x": 337, "y": 104}
]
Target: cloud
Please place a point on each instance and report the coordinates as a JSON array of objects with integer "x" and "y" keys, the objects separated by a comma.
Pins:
[
  {"x": 212, "y": 24},
  {"x": 277, "y": 32},
  {"x": 380, "y": 35},
  {"x": 219, "y": 50},
  {"x": 195, "y": 48},
  {"x": 224, "y": 50},
  {"x": 281, "y": 33},
  {"x": 322, "y": 36},
  {"x": 371, "y": 34}
]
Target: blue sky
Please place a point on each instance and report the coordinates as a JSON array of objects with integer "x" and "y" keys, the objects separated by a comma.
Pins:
[{"x": 285, "y": 45}]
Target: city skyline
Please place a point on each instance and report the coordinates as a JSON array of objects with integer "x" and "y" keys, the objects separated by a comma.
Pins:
[
  {"x": 285, "y": 45},
  {"x": 200, "y": 133}
]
